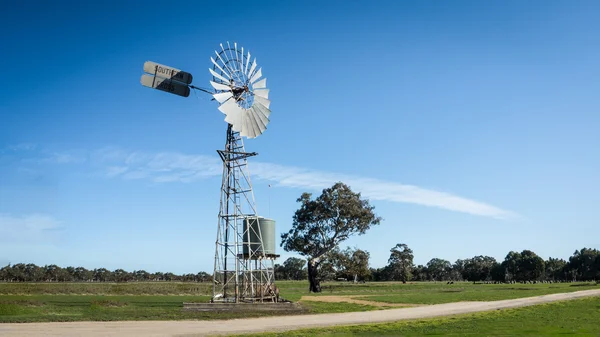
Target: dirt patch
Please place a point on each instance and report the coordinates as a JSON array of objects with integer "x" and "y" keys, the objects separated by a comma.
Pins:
[{"x": 356, "y": 300}]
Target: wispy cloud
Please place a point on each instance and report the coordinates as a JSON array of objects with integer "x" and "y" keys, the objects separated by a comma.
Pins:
[
  {"x": 28, "y": 228},
  {"x": 375, "y": 189},
  {"x": 175, "y": 167},
  {"x": 158, "y": 167},
  {"x": 32, "y": 153},
  {"x": 63, "y": 158},
  {"x": 166, "y": 167},
  {"x": 21, "y": 147}
]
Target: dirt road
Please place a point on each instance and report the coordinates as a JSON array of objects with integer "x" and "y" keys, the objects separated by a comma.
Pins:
[{"x": 281, "y": 323}]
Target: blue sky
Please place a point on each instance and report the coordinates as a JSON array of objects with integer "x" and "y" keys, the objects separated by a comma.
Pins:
[{"x": 472, "y": 126}]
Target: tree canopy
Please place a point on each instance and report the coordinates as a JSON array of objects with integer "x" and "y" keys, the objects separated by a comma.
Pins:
[
  {"x": 319, "y": 225},
  {"x": 401, "y": 262}
]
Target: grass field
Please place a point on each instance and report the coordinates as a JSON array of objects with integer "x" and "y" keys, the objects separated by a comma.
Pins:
[
  {"x": 577, "y": 317},
  {"x": 44, "y": 302}
]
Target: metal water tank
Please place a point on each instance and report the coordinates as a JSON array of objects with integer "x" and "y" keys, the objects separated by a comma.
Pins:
[{"x": 253, "y": 228}]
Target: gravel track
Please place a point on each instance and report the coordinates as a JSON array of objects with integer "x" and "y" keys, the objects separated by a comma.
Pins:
[{"x": 275, "y": 323}]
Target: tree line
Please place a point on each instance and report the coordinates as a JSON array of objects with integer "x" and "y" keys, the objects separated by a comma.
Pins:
[
  {"x": 30, "y": 272},
  {"x": 525, "y": 266},
  {"x": 352, "y": 264}
]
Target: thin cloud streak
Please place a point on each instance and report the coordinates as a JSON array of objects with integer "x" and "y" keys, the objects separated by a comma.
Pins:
[
  {"x": 160, "y": 167},
  {"x": 375, "y": 189},
  {"x": 167, "y": 167}
]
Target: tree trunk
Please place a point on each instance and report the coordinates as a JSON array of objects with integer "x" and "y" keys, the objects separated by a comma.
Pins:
[{"x": 315, "y": 284}]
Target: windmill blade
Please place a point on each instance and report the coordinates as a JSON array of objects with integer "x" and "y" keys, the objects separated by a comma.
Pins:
[
  {"x": 232, "y": 58},
  {"x": 253, "y": 123},
  {"x": 237, "y": 59},
  {"x": 246, "y": 130},
  {"x": 235, "y": 120},
  {"x": 252, "y": 68},
  {"x": 229, "y": 70},
  {"x": 219, "y": 67},
  {"x": 225, "y": 59},
  {"x": 242, "y": 59},
  {"x": 247, "y": 62},
  {"x": 233, "y": 113},
  {"x": 264, "y": 93},
  {"x": 259, "y": 120},
  {"x": 256, "y": 76},
  {"x": 265, "y": 102},
  {"x": 264, "y": 120},
  {"x": 215, "y": 74},
  {"x": 243, "y": 131},
  {"x": 262, "y": 109},
  {"x": 220, "y": 86},
  {"x": 222, "y": 97},
  {"x": 260, "y": 84},
  {"x": 253, "y": 126}
]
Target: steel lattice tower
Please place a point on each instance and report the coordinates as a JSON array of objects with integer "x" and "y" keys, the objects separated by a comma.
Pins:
[{"x": 242, "y": 273}]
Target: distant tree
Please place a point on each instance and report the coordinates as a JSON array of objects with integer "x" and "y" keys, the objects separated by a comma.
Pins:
[
  {"x": 169, "y": 276},
  {"x": 52, "y": 272},
  {"x": 141, "y": 275},
  {"x": 583, "y": 264},
  {"x": 375, "y": 274},
  {"x": 555, "y": 269},
  {"x": 420, "y": 273},
  {"x": 523, "y": 266},
  {"x": 204, "y": 277},
  {"x": 382, "y": 274},
  {"x": 355, "y": 264},
  {"x": 438, "y": 269},
  {"x": 459, "y": 268},
  {"x": 497, "y": 273},
  {"x": 188, "y": 277},
  {"x": 71, "y": 272},
  {"x": 401, "y": 262},
  {"x": 34, "y": 273},
  {"x": 320, "y": 225},
  {"x": 479, "y": 268},
  {"x": 455, "y": 274},
  {"x": 62, "y": 275},
  {"x": 531, "y": 266},
  {"x": 158, "y": 276},
  {"x": 102, "y": 275},
  {"x": 294, "y": 269},
  {"x": 279, "y": 271},
  {"x": 511, "y": 264},
  {"x": 120, "y": 275},
  {"x": 6, "y": 273}
]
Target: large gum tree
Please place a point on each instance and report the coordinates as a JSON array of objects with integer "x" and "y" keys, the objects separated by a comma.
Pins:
[{"x": 321, "y": 224}]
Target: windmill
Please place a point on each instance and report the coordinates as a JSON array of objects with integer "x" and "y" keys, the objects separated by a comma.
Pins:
[
  {"x": 245, "y": 247},
  {"x": 245, "y": 244}
]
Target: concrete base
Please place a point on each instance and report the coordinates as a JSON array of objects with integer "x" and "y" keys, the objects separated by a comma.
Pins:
[{"x": 245, "y": 307}]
